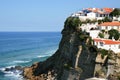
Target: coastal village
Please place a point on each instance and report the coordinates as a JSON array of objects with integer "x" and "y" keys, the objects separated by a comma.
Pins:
[
  {"x": 102, "y": 27},
  {"x": 100, "y": 31}
]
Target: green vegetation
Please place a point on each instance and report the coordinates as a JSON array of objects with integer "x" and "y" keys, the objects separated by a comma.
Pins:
[
  {"x": 100, "y": 21},
  {"x": 106, "y": 19},
  {"x": 83, "y": 36},
  {"x": 89, "y": 21},
  {"x": 105, "y": 52},
  {"x": 101, "y": 35},
  {"x": 114, "y": 33},
  {"x": 90, "y": 41},
  {"x": 116, "y": 12},
  {"x": 73, "y": 22},
  {"x": 118, "y": 77},
  {"x": 103, "y": 31}
]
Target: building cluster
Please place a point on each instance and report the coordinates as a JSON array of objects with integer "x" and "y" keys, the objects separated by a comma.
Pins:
[
  {"x": 107, "y": 43},
  {"x": 94, "y": 28},
  {"x": 93, "y": 13}
]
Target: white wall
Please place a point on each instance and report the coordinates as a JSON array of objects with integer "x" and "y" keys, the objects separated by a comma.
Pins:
[
  {"x": 91, "y": 15},
  {"x": 94, "y": 33},
  {"x": 108, "y": 27},
  {"x": 100, "y": 18},
  {"x": 112, "y": 47},
  {"x": 88, "y": 26}
]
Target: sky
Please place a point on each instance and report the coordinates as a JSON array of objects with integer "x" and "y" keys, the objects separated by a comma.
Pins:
[{"x": 43, "y": 15}]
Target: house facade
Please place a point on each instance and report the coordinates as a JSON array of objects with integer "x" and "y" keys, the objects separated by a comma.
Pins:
[
  {"x": 109, "y": 25},
  {"x": 91, "y": 28},
  {"x": 107, "y": 44}
]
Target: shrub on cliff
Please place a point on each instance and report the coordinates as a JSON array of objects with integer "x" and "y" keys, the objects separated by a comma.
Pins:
[
  {"x": 106, "y": 19},
  {"x": 100, "y": 21},
  {"x": 101, "y": 35},
  {"x": 72, "y": 22},
  {"x": 104, "y": 52},
  {"x": 114, "y": 33}
]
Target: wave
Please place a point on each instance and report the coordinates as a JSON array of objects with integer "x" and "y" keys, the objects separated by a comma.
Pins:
[
  {"x": 17, "y": 62},
  {"x": 48, "y": 53},
  {"x": 15, "y": 75},
  {"x": 12, "y": 74},
  {"x": 20, "y": 61},
  {"x": 3, "y": 68},
  {"x": 42, "y": 56}
]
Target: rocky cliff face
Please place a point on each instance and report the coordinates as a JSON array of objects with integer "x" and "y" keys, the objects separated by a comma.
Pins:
[
  {"x": 108, "y": 67},
  {"x": 74, "y": 60}
]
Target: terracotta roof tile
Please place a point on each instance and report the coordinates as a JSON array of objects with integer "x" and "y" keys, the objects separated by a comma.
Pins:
[
  {"x": 107, "y": 41},
  {"x": 110, "y": 24},
  {"x": 109, "y": 10},
  {"x": 99, "y": 10}
]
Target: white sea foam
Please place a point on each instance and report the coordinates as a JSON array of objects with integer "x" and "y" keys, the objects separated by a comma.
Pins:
[
  {"x": 13, "y": 74},
  {"x": 42, "y": 56},
  {"x": 3, "y": 69},
  {"x": 48, "y": 53},
  {"x": 20, "y": 61}
]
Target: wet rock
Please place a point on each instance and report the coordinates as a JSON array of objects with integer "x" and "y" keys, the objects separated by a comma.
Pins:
[{"x": 14, "y": 68}]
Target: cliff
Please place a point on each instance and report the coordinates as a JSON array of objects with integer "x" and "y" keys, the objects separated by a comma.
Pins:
[
  {"x": 70, "y": 61},
  {"x": 75, "y": 58}
]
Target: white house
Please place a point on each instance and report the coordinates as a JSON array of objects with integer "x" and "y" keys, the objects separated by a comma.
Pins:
[
  {"x": 107, "y": 44},
  {"x": 93, "y": 13},
  {"x": 109, "y": 25},
  {"x": 94, "y": 33},
  {"x": 91, "y": 28},
  {"x": 88, "y": 26}
]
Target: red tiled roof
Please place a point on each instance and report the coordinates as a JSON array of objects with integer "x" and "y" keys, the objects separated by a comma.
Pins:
[
  {"x": 116, "y": 23},
  {"x": 98, "y": 10},
  {"x": 107, "y": 41},
  {"x": 108, "y": 10}
]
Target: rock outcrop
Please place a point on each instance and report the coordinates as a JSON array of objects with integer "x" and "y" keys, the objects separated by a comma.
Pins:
[
  {"x": 74, "y": 59},
  {"x": 108, "y": 66}
]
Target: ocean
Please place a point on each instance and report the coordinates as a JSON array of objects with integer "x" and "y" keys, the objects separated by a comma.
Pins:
[{"x": 23, "y": 49}]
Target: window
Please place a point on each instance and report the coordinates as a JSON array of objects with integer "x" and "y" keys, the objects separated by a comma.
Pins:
[
  {"x": 114, "y": 45},
  {"x": 101, "y": 43},
  {"x": 117, "y": 27},
  {"x": 109, "y": 45},
  {"x": 106, "y": 27}
]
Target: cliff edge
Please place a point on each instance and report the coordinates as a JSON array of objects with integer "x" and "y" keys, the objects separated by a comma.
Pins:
[{"x": 75, "y": 58}]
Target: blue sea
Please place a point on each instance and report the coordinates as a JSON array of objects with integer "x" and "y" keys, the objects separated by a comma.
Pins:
[{"x": 25, "y": 48}]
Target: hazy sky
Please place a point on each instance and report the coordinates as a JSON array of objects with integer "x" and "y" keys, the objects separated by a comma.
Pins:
[{"x": 43, "y": 15}]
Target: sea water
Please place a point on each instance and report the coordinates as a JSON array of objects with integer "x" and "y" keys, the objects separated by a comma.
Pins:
[{"x": 25, "y": 48}]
